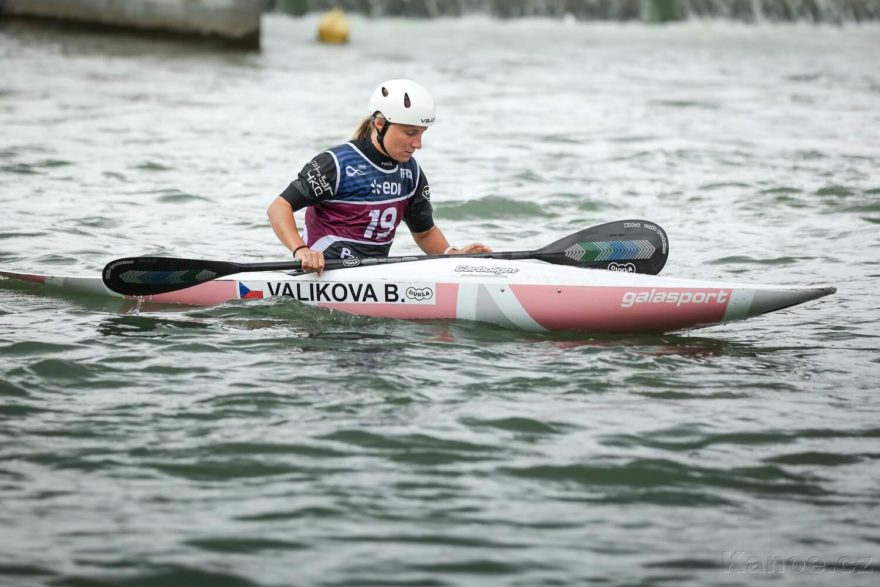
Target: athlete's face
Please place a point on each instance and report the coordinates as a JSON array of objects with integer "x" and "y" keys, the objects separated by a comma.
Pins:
[{"x": 402, "y": 140}]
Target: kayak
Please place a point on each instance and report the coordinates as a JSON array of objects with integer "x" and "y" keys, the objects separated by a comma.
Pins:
[{"x": 519, "y": 294}]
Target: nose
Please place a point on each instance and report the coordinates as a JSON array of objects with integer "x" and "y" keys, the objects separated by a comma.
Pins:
[{"x": 417, "y": 142}]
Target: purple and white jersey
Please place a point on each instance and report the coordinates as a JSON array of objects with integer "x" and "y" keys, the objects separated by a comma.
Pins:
[{"x": 356, "y": 199}]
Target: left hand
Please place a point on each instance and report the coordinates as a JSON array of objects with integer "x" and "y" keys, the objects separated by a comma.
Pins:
[{"x": 472, "y": 248}]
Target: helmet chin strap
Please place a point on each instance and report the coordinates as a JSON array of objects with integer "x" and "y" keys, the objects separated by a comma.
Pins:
[{"x": 380, "y": 138}]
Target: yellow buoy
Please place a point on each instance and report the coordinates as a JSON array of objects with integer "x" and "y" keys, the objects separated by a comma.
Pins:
[{"x": 334, "y": 27}]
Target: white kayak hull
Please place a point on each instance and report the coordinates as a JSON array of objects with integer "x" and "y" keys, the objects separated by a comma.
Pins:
[{"x": 527, "y": 295}]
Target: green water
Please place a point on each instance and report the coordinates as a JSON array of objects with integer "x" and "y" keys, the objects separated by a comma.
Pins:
[{"x": 267, "y": 443}]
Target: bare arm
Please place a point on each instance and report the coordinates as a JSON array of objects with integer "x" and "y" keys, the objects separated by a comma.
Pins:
[
  {"x": 432, "y": 242},
  {"x": 284, "y": 224}
]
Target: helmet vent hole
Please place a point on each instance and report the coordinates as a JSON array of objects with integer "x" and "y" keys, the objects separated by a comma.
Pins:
[
  {"x": 384, "y": 92},
  {"x": 406, "y": 101}
]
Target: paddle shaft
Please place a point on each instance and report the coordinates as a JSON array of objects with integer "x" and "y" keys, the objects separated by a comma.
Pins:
[{"x": 348, "y": 263}]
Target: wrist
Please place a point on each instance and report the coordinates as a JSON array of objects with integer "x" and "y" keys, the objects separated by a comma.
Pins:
[
  {"x": 298, "y": 248},
  {"x": 450, "y": 248}
]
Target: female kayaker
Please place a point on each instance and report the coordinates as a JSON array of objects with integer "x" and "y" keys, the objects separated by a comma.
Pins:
[{"x": 357, "y": 193}]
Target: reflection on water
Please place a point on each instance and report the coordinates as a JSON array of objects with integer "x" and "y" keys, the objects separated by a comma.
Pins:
[
  {"x": 658, "y": 346},
  {"x": 139, "y": 325}
]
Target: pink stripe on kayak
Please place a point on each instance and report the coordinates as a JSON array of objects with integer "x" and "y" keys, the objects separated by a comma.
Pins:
[
  {"x": 444, "y": 308},
  {"x": 622, "y": 309},
  {"x": 204, "y": 294}
]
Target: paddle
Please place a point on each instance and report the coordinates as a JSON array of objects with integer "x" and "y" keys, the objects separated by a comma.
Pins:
[{"x": 635, "y": 246}]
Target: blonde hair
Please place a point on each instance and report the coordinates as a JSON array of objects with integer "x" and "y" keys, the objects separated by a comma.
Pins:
[{"x": 365, "y": 127}]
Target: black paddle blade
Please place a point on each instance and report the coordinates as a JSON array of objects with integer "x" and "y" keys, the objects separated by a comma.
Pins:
[
  {"x": 147, "y": 276},
  {"x": 634, "y": 246}
]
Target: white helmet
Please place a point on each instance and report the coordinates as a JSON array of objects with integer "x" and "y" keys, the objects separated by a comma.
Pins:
[{"x": 403, "y": 101}]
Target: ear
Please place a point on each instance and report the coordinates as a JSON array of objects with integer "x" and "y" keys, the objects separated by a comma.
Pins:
[{"x": 379, "y": 123}]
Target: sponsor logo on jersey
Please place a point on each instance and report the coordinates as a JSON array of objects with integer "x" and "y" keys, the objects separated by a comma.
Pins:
[
  {"x": 352, "y": 171},
  {"x": 676, "y": 298},
  {"x": 317, "y": 180},
  {"x": 387, "y": 188},
  {"x": 426, "y": 193},
  {"x": 405, "y": 173}
]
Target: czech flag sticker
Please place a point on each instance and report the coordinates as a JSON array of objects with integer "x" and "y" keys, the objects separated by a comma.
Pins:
[{"x": 244, "y": 293}]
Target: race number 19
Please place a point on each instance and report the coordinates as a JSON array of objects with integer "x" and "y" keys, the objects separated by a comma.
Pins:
[{"x": 386, "y": 219}]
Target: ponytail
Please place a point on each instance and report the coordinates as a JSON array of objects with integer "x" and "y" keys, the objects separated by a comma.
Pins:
[{"x": 363, "y": 129}]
